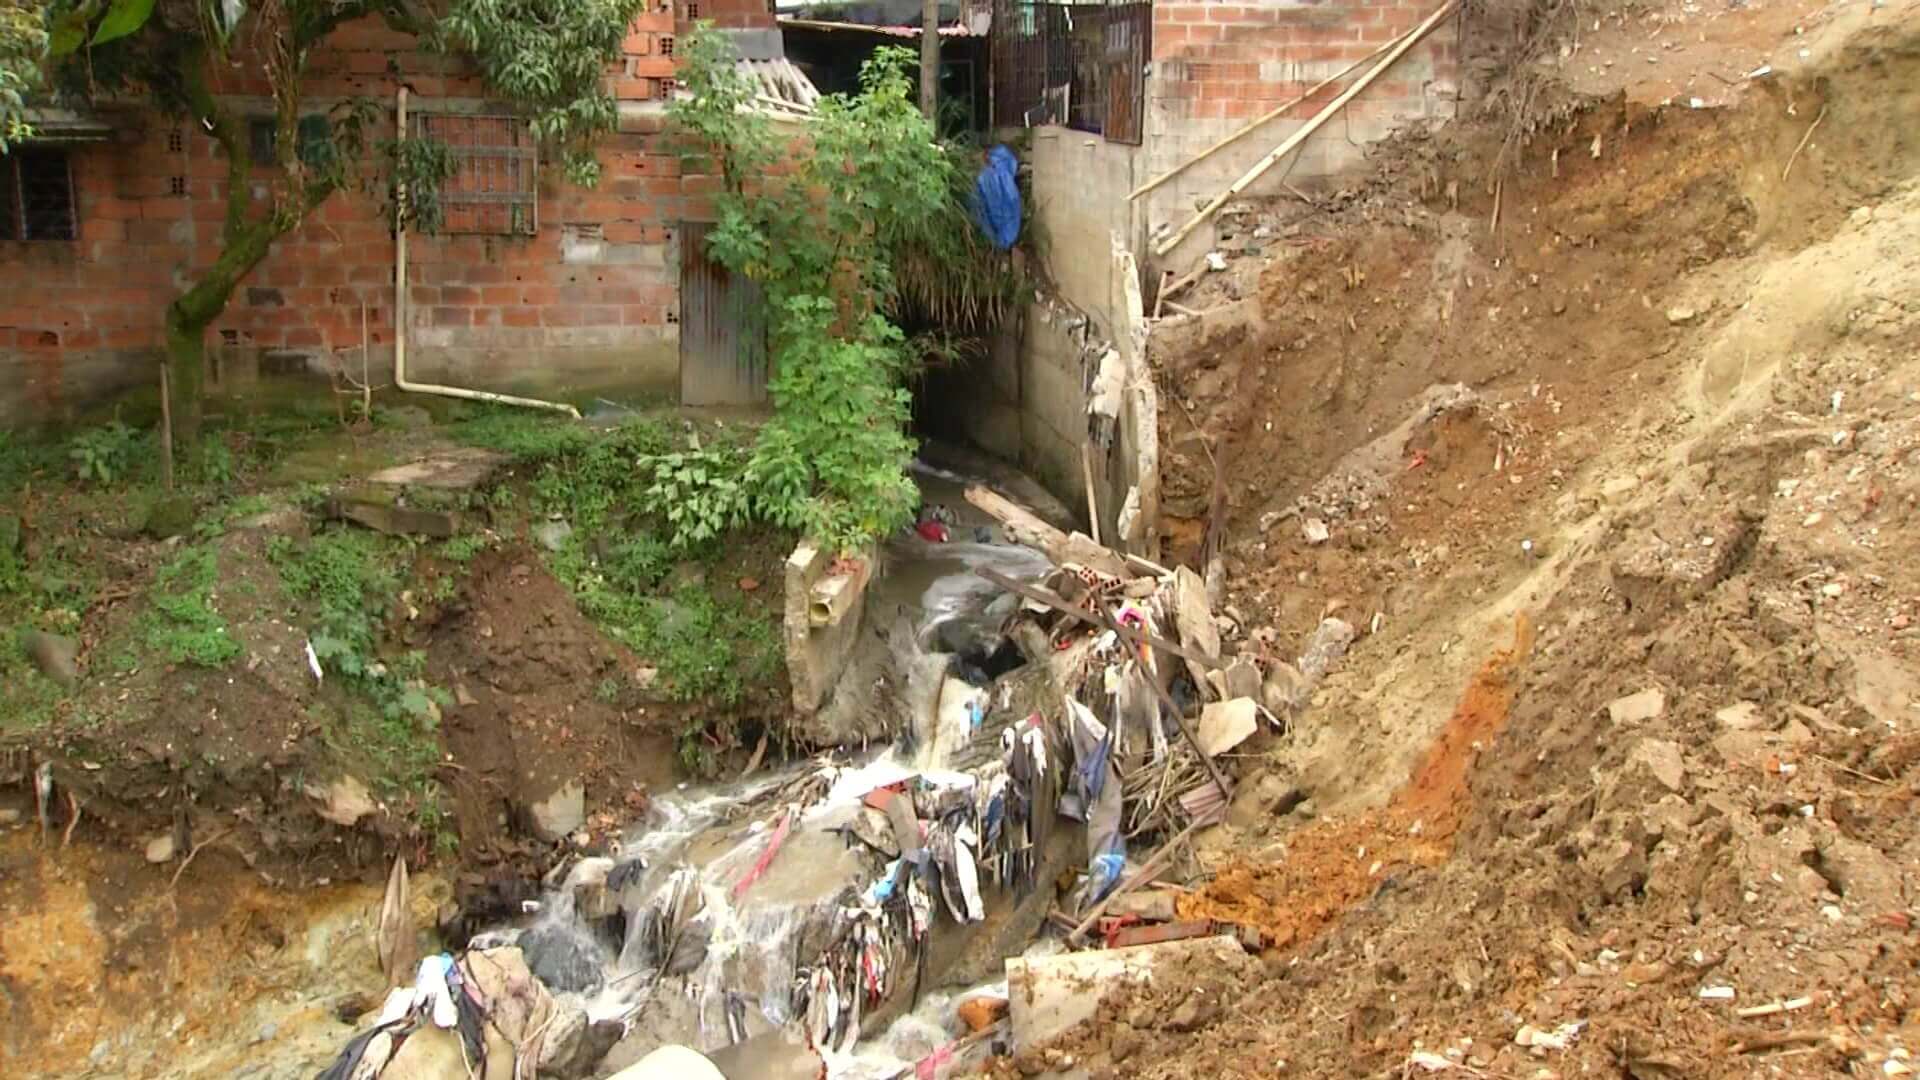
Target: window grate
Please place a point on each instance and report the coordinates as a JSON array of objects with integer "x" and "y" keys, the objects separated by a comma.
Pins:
[
  {"x": 495, "y": 182},
  {"x": 1079, "y": 64},
  {"x": 39, "y": 198}
]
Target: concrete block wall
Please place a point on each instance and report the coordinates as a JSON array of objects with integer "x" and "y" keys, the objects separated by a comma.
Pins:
[
  {"x": 1218, "y": 65},
  {"x": 1080, "y": 187},
  {"x": 589, "y": 302}
]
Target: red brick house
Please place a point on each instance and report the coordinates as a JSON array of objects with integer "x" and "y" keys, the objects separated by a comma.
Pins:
[{"x": 534, "y": 285}]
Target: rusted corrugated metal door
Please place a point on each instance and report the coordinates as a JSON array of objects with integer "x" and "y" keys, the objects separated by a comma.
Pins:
[{"x": 723, "y": 328}]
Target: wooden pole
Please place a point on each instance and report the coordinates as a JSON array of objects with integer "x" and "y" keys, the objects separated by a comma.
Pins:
[
  {"x": 1306, "y": 131},
  {"x": 1272, "y": 114},
  {"x": 930, "y": 59},
  {"x": 166, "y": 427},
  {"x": 1093, "y": 504}
]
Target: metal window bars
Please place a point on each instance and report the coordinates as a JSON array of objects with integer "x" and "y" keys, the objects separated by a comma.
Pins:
[
  {"x": 494, "y": 188},
  {"x": 1079, "y": 64},
  {"x": 38, "y": 202}
]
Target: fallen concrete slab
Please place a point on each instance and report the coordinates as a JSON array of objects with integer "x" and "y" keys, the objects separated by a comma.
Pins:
[{"x": 1053, "y": 995}]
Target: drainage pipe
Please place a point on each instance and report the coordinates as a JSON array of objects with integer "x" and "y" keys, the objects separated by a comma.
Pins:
[{"x": 401, "y": 318}]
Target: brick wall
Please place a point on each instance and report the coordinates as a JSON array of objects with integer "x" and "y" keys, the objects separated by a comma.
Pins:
[
  {"x": 1218, "y": 65},
  {"x": 589, "y": 301}
]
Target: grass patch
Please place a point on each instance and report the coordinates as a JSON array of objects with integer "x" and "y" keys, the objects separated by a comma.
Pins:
[
  {"x": 28, "y": 699},
  {"x": 181, "y": 624}
]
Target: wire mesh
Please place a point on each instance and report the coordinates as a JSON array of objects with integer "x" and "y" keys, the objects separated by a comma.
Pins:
[{"x": 495, "y": 182}]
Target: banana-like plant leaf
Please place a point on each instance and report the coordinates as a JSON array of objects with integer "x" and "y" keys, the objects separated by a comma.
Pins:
[{"x": 123, "y": 18}]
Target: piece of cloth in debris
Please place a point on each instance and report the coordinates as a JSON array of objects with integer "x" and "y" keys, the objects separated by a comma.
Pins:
[
  {"x": 373, "y": 1046},
  {"x": 996, "y": 198}
]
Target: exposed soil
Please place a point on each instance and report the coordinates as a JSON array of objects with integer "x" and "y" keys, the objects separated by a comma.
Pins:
[{"x": 1683, "y": 452}]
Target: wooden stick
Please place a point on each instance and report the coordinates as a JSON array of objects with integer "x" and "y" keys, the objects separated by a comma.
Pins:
[
  {"x": 1145, "y": 874},
  {"x": 1804, "y": 139},
  {"x": 166, "y": 427},
  {"x": 1772, "y": 1008},
  {"x": 1160, "y": 297},
  {"x": 1272, "y": 114},
  {"x": 1180, "y": 284},
  {"x": 1306, "y": 130},
  {"x": 1086, "y": 477}
]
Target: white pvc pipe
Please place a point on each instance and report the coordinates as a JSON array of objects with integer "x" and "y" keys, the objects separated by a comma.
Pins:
[{"x": 401, "y": 312}]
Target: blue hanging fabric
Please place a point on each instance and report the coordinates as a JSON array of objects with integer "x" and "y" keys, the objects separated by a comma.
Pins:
[{"x": 996, "y": 198}]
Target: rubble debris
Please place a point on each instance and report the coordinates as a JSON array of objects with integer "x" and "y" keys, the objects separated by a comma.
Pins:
[
  {"x": 160, "y": 849},
  {"x": 983, "y": 1011},
  {"x": 1053, "y": 995},
  {"x": 1638, "y": 708},
  {"x": 1226, "y": 724},
  {"x": 557, "y": 816},
  {"x": 344, "y": 801},
  {"x": 384, "y": 517}
]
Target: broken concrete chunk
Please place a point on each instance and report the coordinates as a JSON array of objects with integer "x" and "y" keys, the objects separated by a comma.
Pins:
[
  {"x": 1744, "y": 716},
  {"x": 1638, "y": 708},
  {"x": 398, "y": 520},
  {"x": 343, "y": 802},
  {"x": 1284, "y": 689},
  {"x": 553, "y": 535},
  {"x": 559, "y": 814},
  {"x": 1681, "y": 314},
  {"x": 1226, "y": 724},
  {"x": 1315, "y": 531},
  {"x": 57, "y": 657},
  {"x": 1053, "y": 995},
  {"x": 464, "y": 469},
  {"x": 1153, "y": 905},
  {"x": 1325, "y": 646},
  {"x": 1662, "y": 759},
  {"x": 1194, "y": 619},
  {"x": 160, "y": 848},
  {"x": 1242, "y": 679}
]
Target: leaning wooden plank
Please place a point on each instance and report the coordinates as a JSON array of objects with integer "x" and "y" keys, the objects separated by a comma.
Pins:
[
  {"x": 1145, "y": 874},
  {"x": 1026, "y": 528},
  {"x": 1251, "y": 125},
  {"x": 1306, "y": 131}
]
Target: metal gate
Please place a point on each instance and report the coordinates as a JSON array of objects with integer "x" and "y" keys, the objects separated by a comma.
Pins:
[
  {"x": 1081, "y": 64},
  {"x": 723, "y": 328}
]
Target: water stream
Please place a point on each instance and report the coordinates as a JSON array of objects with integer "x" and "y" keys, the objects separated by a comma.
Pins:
[{"x": 712, "y": 934}]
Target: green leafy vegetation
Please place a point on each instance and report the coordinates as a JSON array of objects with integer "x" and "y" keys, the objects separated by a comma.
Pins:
[
  {"x": 23, "y": 46},
  {"x": 343, "y": 582},
  {"x": 827, "y": 231},
  {"x": 181, "y": 624},
  {"x": 102, "y": 455}
]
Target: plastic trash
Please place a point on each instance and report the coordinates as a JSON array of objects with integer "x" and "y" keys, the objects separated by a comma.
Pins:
[{"x": 996, "y": 198}]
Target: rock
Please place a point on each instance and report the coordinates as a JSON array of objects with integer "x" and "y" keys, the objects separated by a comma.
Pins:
[
  {"x": 1662, "y": 759},
  {"x": 1744, "y": 716},
  {"x": 57, "y": 657},
  {"x": 168, "y": 517},
  {"x": 1054, "y": 995},
  {"x": 461, "y": 469},
  {"x": 553, "y": 535},
  {"x": 1153, "y": 905},
  {"x": 160, "y": 848},
  {"x": 1198, "y": 1010},
  {"x": 1315, "y": 531},
  {"x": 1325, "y": 646},
  {"x": 1226, "y": 724},
  {"x": 1256, "y": 801},
  {"x": 398, "y": 520},
  {"x": 981, "y": 1013},
  {"x": 1680, "y": 315},
  {"x": 559, "y": 814},
  {"x": 1638, "y": 708},
  {"x": 343, "y": 802},
  {"x": 561, "y": 959},
  {"x": 572, "y": 1045},
  {"x": 1284, "y": 689},
  {"x": 267, "y": 1033},
  {"x": 671, "y": 1063},
  {"x": 594, "y": 901},
  {"x": 1194, "y": 619},
  {"x": 1242, "y": 679}
]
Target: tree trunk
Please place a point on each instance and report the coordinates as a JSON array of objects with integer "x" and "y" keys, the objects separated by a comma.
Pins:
[
  {"x": 189, "y": 316},
  {"x": 930, "y": 59},
  {"x": 187, "y": 361}
]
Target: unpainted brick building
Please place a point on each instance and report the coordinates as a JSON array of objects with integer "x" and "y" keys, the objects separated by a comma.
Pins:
[{"x": 535, "y": 285}]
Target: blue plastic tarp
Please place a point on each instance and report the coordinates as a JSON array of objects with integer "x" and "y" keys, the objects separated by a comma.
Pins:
[{"x": 996, "y": 198}]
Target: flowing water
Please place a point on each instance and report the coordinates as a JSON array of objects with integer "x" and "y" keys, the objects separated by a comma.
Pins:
[{"x": 695, "y": 872}]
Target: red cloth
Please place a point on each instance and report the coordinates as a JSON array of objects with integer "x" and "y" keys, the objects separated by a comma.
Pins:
[{"x": 932, "y": 531}]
